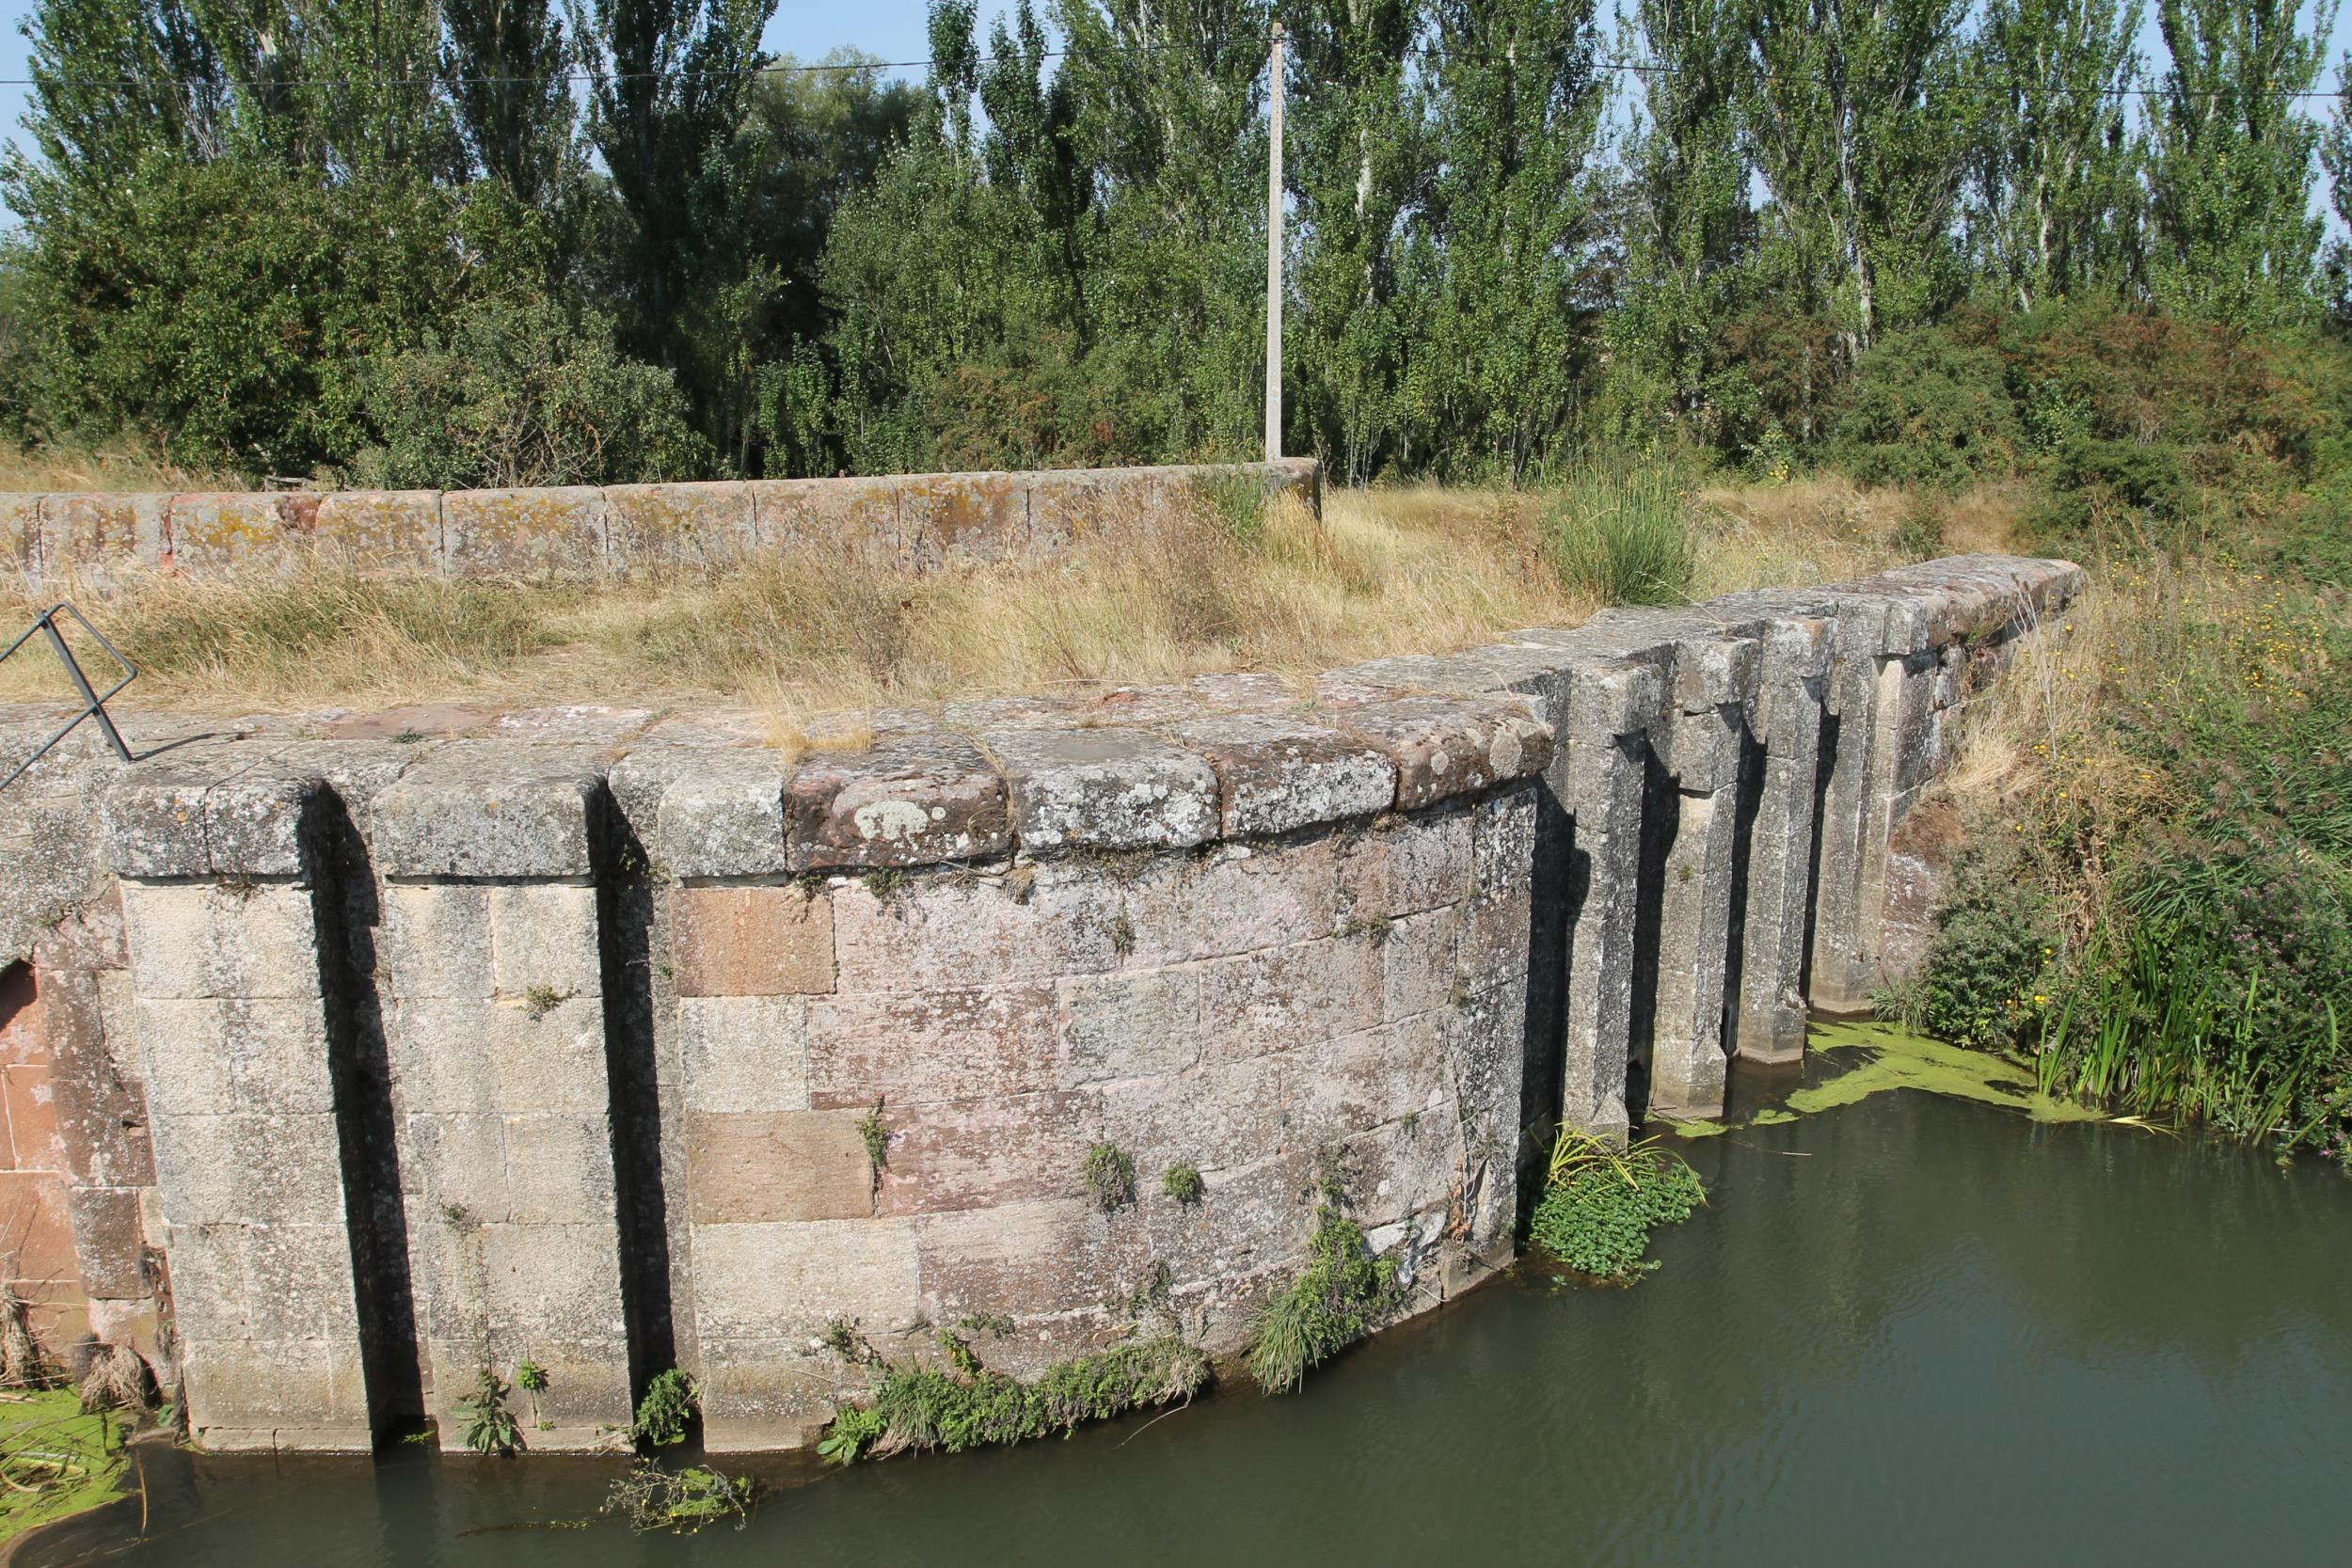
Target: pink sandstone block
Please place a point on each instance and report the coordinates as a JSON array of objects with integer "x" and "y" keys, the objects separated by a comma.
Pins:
[
  {"x": 96, "y": 535},
  {"x": 678, "y": 525},
  {"x": 558, "y": 532},
  {"x": 240, "y": 531},
  {"x": 381, "y": 530}
]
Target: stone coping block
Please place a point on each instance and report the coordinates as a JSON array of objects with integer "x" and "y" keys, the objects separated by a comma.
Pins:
[
  {"x": 475, "y": 808},
  {"x": 921, "y": 522},
  {"x": 471, "y": 792}
]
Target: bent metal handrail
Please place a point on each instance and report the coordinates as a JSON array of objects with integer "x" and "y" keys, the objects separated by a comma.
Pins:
[{"x": 94, "y": 704}]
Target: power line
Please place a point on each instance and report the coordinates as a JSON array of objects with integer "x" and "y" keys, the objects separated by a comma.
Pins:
[{"x": 1626, "y": 66}]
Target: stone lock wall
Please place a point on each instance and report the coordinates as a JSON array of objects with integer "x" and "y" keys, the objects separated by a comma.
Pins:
[
  {"x": 615, "y": 1040},
  {"x": 921, "y": 522}
]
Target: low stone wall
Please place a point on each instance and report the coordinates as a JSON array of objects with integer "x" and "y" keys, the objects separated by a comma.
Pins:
[
  {"x": 615, "y": 1040},
  {"x": 921, "y": 522}
]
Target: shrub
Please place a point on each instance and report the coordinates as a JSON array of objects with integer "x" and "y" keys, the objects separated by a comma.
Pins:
[
  {"x": 1924, "y": 409},
  {"x": 1599, "y": 1204},
  {"x": 670, "y": 1404},
  {"x": 518, "y": 392},
  {"x": 485, "y": 1425},
  {"x": 1623, "y": 538},
  {"x": 1991, "y": 955}
]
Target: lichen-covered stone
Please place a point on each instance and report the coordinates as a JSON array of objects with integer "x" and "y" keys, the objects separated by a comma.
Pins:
[
  {"x": 381, "y": 530},
  {"x": 854, "y": 520},
  {"x": 1105, "y": 789},
  {"x": 908, "y": 799},
  {"x": 678, "y": 525},
  {"x": 1275, "y": 774},
  {"x": 215, "y": 532},
  {"x": 552, "y": 532},
  {"x": 1444, "y": 746},
  {"x": 481, "y": 809}
]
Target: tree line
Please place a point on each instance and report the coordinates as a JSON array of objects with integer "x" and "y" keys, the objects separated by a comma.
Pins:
[{"x": 466, "y": 242}]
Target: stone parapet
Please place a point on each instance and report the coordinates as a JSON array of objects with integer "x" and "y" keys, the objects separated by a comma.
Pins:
[{"x": 919, "y": 522}]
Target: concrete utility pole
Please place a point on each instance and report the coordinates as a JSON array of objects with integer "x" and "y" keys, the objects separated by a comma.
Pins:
[{"x": 1274, "y": 257}]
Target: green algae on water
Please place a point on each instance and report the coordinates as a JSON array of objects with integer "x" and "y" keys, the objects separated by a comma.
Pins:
[
  {"x": 57, "y": 1459},
  {"x": 1897, "y": 1059}
]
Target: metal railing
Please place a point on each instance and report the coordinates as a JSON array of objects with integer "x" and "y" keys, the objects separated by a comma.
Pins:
[{"x": 93, "y": 702}]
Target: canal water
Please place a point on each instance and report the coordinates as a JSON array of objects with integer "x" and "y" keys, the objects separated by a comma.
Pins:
[{"x": 1911, "y": 1330}]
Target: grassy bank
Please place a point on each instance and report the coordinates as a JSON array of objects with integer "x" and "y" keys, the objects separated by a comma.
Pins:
[
  {"x": 2153, "y": 908},
  {"x": 1383, "y": 570}
]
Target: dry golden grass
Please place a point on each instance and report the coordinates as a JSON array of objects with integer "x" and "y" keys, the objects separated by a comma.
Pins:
[
  {"x": 1829, "y": 529},
  {"x": 1385, "y": 571},
  {"x": 71, "y": 469},
  {"x": 1380, "y": 573}
]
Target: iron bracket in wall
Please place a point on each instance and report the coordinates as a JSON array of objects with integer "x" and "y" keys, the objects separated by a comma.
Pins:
[{"x": 93, "y": 702}]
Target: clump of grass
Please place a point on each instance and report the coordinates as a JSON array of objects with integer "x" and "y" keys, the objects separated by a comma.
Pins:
[
  {"x": 539, "y": 1001},
  {"x": 116, "y": 1380},
  {"x": 1341, "y": 1294},
  {"x": 968, "y": 1405},
  {"x": 1623, "y": 538},
  {"x": 485, "y": 1425},
  {"x": 1600, "y": 1204},
  {"x": 670, "y": 1404},
  {"x": 1184, "y": 1183},
  {"x": 1110, "y": 1176},
  {"x": 678, "y": 1502},
  {"x": 875, "y": 1136}
]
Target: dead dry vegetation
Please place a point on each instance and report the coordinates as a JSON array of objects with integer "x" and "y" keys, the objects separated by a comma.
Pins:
[{"x": 1385, "y": 571}]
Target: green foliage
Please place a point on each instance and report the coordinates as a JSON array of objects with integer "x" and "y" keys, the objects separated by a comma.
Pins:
[
  {"x": 970, "y": 1406},
  {"x": 1623, "y": 537},
  {"x": 517, "y": 392},
  {"x": 1341, "y": 1294},
  {"x": 1927, "y": 410},
  {"x": 671, "y": 1403},
  {"x": 680, "y": 1503},
  {"x": 530, "y": 1377},
  {"x": 484, "y": 1424},
  {"x": 1184, "y": 1183},
  {"x": 1992, "y": 956},
  {"x": 1600, "y": 1204},
  {"x": 875, "y": 1134},
  {"x": 1110, "y": 1176}
]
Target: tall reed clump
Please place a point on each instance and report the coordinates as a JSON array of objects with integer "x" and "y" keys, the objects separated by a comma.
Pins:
[
  {"x": 1600, "y": 1204},
  {"x": 2175, "y": 788},
  {"x": 1623, "y": 538}
]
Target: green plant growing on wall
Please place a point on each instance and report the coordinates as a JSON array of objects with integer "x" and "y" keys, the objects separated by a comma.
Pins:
[
  {"x": 876, "y": 1137},
  {"x": 1184, "y": 1183},
  {"x": 539, "y": 1001},
  {"x": 669, "y": 1406},
  {"x": 531, "y": 1378},
  {"x": 485, "y": 1425},
  {"x": 1341, "y": 1295},
  {"x": 1110, "y": 1176},
  {"x": 1600, "y": 1204},
  {"x": 678, "y": 1501},
  {"x": 969, "y": 1405},
  {"x": 885, "y": 882}
]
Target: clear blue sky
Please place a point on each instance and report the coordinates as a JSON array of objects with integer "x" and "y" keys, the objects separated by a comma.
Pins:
[{"x": 892, "y": 29}]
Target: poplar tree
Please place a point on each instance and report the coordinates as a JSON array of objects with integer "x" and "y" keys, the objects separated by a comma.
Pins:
[
  {"x": 1359, "y": 165},
  {"x": 1690, "y": 228},
  {"x": 1516, "y": 102},
  {"x": 2055, "y": 194},
  {"x": 506, "y": 65},
  {"x": 2230, "y": 176},
  {"x": 2335, "y": 155},
  {"x": 1860, "y": 121}
]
